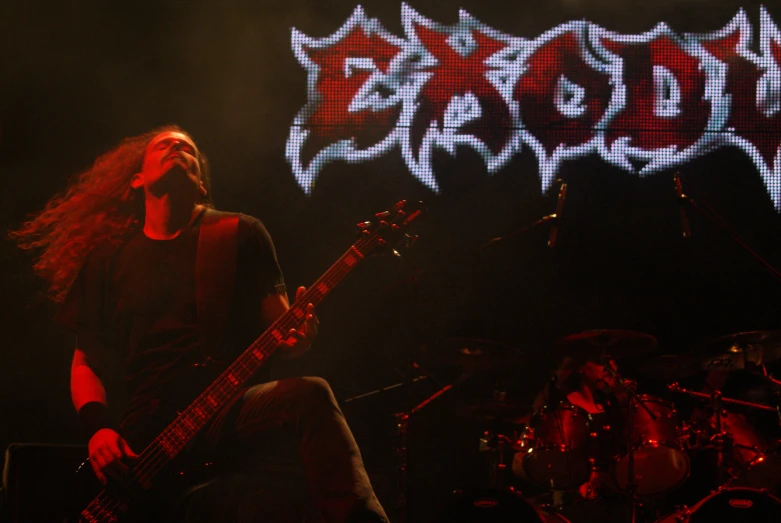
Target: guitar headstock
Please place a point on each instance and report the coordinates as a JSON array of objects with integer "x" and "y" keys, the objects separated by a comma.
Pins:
[{"x": 389, "y": 227}]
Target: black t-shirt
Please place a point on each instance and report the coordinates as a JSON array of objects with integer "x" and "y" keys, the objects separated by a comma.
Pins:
[{"x": 136, "y": 305}]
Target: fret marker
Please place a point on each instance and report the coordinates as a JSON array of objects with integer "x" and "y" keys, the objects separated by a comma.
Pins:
[
  {"x": 356, "y": 251},
  {"x": 232, "y": 379},
  {"x": 322, "y": 288}
]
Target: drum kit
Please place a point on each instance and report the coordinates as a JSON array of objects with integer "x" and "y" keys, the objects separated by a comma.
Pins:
[{"x": 591, "y": 447}]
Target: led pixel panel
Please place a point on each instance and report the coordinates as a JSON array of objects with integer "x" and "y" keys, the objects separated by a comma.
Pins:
[{"x": 644, "y": 102}]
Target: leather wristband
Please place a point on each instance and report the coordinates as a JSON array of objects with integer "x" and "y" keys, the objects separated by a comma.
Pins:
[{"x": 94, "y": 416}]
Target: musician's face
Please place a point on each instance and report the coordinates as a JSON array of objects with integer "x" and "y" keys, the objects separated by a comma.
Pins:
[
  {"x": 170, "y": 165},
  {"x": 594, "y": 372}
]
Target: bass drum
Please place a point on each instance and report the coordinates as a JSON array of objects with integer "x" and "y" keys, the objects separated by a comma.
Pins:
[
  {"x": 489, "y": 506},
  {"x": 731, "y": 505}
]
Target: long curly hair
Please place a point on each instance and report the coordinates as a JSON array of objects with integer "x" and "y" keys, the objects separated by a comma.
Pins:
[{"x": 98, "y": 205}]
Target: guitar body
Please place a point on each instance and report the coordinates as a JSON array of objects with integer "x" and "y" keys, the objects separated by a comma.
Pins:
[{"x": 159, "y": 504}]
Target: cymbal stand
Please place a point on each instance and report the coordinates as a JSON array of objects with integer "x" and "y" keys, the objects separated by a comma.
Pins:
[
  {"x": 712, "y": 216},
  {"x": 721, "y": 440}
]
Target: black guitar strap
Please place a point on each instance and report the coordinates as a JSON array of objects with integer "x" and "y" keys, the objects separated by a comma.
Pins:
[{"x": 215, "y": 278}]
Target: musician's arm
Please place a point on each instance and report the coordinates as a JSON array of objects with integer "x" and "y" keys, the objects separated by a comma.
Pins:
[
  {"x": 86, "y": 386},
  {"x": 107, "y": 448}
]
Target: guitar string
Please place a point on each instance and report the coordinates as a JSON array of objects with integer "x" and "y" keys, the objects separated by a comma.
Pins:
[{"x": 158, "y": 458}]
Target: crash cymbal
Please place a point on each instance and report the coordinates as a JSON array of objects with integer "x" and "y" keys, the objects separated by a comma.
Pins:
[
  {"x": 741, "y": 350},
  {"x": 496, "y": 410},
  {"x": 670, "y": 367},
  {"x": 593, "y": 345},
  {"x": 473, "y": 354}
]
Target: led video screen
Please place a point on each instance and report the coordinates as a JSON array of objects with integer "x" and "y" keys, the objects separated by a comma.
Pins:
[{"x": 643, "y": 102}]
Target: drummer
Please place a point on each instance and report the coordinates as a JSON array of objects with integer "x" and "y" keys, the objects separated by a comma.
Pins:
[{"x": 590, "y": 385}]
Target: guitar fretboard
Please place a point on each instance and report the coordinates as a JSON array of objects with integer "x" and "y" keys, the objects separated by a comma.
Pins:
[{"x": 184, "y": 428}]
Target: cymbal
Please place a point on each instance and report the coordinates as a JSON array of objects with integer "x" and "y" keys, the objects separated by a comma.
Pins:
[
  {"x": 473, "y": 354},
  {"x": 741, "y": 350},
  {"x": 497, "y": 410},
  {"x": 592, "y": 345},
  {"x": 670, "y": 367}
]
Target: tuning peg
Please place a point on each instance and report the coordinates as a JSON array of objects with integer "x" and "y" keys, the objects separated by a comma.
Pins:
[
  {"x": 364, "y": 225},
  {"x": 382, "y": 215},
  {"x": 400, "y": 205}
]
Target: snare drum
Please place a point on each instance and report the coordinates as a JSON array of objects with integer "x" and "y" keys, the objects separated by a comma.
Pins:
[
  {"x": 661, "y": 462},
  {"x": 731, "y": 505},
  {"x": 557, "y": 447}
]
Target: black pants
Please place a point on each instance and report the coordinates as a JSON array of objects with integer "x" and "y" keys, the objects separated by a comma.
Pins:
[{"x": 301, "y": 413}]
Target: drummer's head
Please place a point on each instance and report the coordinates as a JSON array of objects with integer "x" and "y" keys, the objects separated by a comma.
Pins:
[{"x": 594, "y": 372}]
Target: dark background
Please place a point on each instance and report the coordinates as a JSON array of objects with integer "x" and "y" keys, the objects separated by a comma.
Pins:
[{"x": 76, "y": 77}]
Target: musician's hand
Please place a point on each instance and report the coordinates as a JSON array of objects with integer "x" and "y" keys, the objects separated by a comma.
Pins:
[
  {"x": 108, "y": 453},
  {"x": 300, "y": 340}
]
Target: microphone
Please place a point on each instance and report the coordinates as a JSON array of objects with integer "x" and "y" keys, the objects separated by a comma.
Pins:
[
  {"x": 554, "y": 230},
  {"x": 682, "y": 199},
  {"x": 603, "y": 394}
]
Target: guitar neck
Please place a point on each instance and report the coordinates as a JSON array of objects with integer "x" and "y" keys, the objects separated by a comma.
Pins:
[{"x": 184, "y": 428}]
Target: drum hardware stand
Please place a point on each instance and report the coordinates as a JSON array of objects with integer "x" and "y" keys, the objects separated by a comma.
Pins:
[
  {"x": 776, "y": 391},
  {"x": 634, "y": 402},
  {"x": 402, "y": 423},
  {"x": 674, "y": 387},
  {"x": 722, "y": 440},
  {"x": 768, "y": 377},
  {"x": 496, "y": 444}
]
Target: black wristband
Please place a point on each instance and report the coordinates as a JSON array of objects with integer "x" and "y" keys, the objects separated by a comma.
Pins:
[{"x": 94, "y": 416}]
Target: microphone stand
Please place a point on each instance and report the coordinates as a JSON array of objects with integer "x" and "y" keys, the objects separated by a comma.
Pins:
[
  {"x": 719, "y": 222},
  {"x": 550, "y": 217},
  {"x": 402, "y": 423}
]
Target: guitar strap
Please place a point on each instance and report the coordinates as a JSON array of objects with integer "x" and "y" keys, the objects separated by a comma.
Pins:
[{"x": 215, "y": 279}]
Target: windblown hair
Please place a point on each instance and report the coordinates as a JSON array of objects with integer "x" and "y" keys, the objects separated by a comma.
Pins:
[{"x": 98, "y": 205}]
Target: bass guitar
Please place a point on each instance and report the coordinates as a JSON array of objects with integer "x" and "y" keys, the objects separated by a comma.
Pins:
[{"x": 128, "y": 500}]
